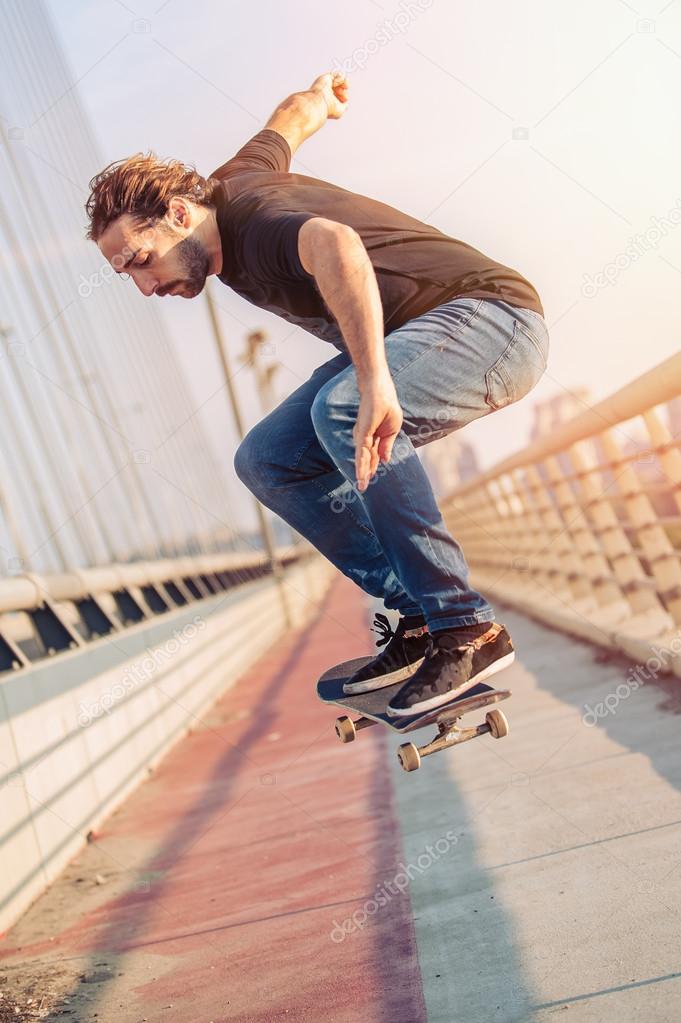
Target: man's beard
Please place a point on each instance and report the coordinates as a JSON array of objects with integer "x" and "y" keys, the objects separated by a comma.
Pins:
[{"x": 194, "y": 265}]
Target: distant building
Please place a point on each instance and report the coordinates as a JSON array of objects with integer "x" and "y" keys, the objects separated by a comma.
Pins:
[
  {"x": 449, "y": 462},
  {"x": 557, "y": 409}
]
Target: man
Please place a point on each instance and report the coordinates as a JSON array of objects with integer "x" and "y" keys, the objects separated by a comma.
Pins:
[{"x": 431, "y": 334}]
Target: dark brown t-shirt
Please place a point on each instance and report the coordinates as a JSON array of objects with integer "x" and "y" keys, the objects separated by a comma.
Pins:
[{"x": 261, "y": 208}]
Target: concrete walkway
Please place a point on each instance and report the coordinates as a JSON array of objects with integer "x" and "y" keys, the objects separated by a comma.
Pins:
[
  {"x": 265, "y": 872},
  {"x": 226, "y": 878}
]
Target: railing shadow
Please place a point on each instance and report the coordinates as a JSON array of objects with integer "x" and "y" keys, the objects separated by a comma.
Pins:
[{"x": 470, "y": 958}]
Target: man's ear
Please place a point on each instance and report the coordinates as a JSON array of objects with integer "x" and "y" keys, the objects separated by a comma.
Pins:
[{"x": 178, "y": 214}]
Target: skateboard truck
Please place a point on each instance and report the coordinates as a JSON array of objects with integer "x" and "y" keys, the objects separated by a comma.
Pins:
[{"x": 448, "y": 734}]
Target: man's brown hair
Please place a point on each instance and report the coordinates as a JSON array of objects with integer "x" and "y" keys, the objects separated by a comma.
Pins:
[{"x": 142, "y": 186}]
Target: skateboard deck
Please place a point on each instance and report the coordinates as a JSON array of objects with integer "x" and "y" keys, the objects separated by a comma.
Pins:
[{"x": 372, "y": 710}]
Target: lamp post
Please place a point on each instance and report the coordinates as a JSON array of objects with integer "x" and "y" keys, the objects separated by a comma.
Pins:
[
  {"x": 263, "y": 521},
  {"x": 264, "y": 376}
]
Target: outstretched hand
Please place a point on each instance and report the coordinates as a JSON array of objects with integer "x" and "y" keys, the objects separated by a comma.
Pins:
[
  {"x": 379, "y": 420},
  {"x": 334, "y": 88}
]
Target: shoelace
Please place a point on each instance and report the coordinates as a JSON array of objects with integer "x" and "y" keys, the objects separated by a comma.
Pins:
[{"x": 382, "y": 623}]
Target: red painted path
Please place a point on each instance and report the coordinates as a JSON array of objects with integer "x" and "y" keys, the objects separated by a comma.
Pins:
[{"x": 229, "y": 870}]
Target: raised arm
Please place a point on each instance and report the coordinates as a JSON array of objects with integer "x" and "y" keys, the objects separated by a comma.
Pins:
[
  {"x": 303, "y": 113},
  {"x": 336, "y": 257}
]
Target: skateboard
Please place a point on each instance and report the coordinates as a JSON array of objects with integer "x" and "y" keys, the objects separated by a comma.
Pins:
[{"x": 372, "y": 710}]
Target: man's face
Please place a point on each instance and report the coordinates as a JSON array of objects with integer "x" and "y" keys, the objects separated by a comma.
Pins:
[{"x": 163, "y": 259}]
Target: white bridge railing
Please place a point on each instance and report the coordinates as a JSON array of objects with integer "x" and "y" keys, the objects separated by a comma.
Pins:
[
  {"x": 105, "y": 669},
  {"x": 583, "y": 528},
  {"x": 44, "y": 615}
]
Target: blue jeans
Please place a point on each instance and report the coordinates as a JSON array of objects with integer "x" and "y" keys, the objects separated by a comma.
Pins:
[{"x": 450, "y": 366}]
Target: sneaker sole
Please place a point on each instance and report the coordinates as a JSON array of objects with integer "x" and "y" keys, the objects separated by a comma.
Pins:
[
  {"x": 381, "y": 681},
  {"x": 442, "y": 698}
]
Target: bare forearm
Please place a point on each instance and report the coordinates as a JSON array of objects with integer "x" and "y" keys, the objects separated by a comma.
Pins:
[
  {"x": 347, "y": 282},
  {"x": 298, "y": 117},
  {"x": 335, "y": 255},
  {"x": 303, "y": 113}
]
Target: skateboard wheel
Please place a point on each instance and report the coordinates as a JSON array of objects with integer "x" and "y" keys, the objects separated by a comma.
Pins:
[
  {"x": 498, "y": 725},
  {"x": 409, "y": 756},
  {"x": 345, "y": 729}
]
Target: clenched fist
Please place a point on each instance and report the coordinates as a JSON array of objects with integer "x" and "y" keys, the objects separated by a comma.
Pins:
[{"x": 333, "y": 86}]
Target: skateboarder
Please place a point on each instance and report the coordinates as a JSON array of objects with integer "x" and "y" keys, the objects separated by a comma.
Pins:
[{"x": 431, "y": 334}]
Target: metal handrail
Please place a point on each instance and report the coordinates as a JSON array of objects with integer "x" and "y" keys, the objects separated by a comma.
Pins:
[{"x": 30, "y": 591}]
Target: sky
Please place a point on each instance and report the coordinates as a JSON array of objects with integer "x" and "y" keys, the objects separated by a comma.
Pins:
[{"x": 545, "y": 134}]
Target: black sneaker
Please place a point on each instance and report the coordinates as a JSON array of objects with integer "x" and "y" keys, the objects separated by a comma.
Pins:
[
  {"x": 450, "y": 670},
  {"x": 405, "y": 650}
]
